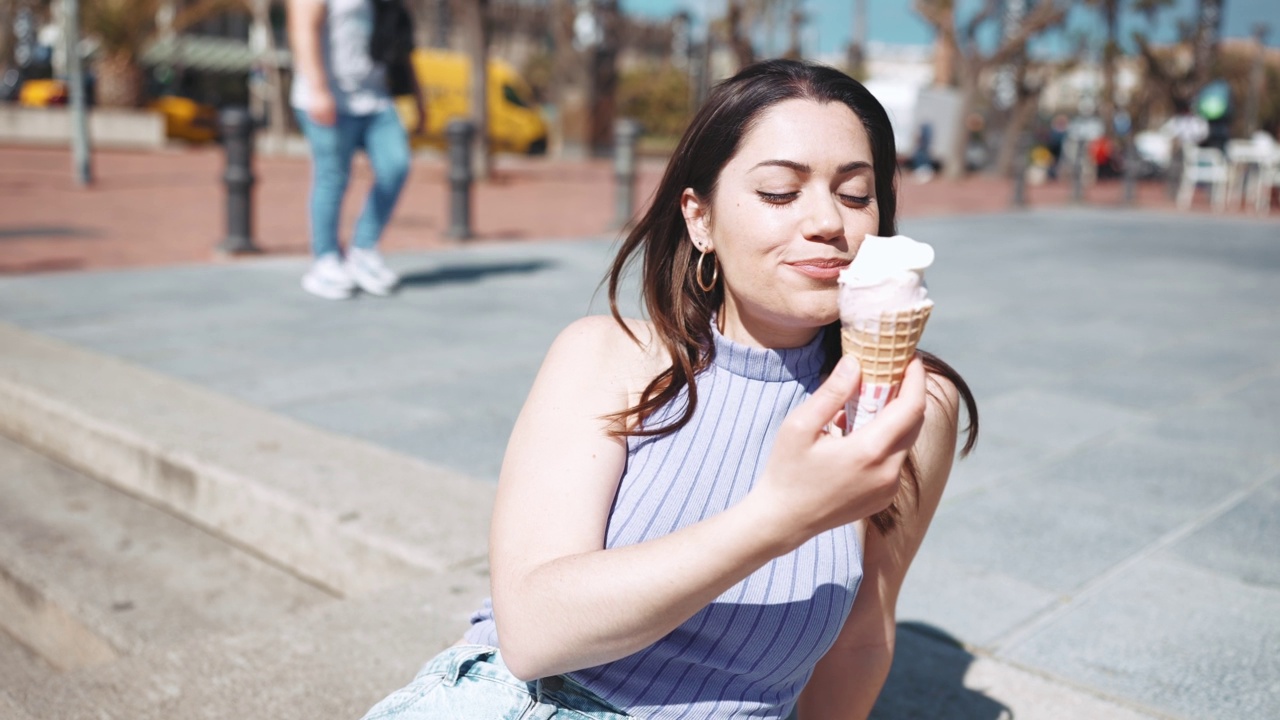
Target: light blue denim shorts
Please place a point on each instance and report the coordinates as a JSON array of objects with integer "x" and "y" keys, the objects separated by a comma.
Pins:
[{"x": 469, "y": 682}]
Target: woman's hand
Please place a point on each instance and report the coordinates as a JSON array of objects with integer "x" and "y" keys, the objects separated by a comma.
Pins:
[
  {"x": 815, "y": 480},
  {"x": 323, "y": 109}
]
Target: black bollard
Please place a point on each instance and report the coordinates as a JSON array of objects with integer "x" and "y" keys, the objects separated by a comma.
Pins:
[
  {"x": 237, "y": 142},
  {"x": 459, "y": 133},
  {"x": 1077, "y": 171},
  {"x": 625, "y": 134},
  {"x": 1130, "y": 171},
  {"x": 1173, "y": 176},
  {"x": 1020, "y": 164}
]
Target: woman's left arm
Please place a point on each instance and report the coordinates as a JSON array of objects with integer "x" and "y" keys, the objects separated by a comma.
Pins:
[{"x": 847, "y": 680}]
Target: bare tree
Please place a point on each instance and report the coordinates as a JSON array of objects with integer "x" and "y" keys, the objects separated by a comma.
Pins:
[
  {"x": 8, "y": 11},
  {"x": 970, "y": 62}
]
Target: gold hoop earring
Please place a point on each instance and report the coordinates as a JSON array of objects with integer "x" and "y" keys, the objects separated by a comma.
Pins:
[{"x": 715, "y": 273}]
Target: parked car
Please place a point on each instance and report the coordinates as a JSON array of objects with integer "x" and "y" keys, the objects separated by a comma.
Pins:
[
  {"x": 515, "y": 125},
  {"x": 186, "y": 119},
  {"x": 43, "y": 93}
]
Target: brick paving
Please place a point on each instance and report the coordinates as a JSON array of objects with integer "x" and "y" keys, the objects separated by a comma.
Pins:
[{"x": 167, "y": 207}]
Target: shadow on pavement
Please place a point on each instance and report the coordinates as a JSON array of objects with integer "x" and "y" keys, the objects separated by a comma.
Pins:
[
  {"x": 470, "y": 273},
  {"x": 927, "y": 680},
  {"x": 51, "y": 232}
]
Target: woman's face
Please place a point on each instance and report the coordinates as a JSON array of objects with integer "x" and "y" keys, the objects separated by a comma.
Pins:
[{"x": 789, "y": 212}]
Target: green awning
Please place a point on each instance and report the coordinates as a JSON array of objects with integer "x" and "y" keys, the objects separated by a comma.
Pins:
[{"x": 209, "y": 54}]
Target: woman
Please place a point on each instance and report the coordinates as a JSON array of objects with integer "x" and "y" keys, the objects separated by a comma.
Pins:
[{"x": 677, "y": 534}]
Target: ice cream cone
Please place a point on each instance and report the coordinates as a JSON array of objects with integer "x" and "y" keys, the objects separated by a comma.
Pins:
[{"x": 883, "y": 351}]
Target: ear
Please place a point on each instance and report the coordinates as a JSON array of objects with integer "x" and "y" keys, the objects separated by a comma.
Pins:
[{"x": 697, "y": 219}]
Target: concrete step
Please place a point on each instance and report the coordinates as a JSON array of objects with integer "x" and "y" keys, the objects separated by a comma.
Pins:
[
  {"x": 21, "y": 670},
  {"x": 331, "y": 661},
  {"x": 88, "y": 573},
  {"x": 334, "y": 660},
  {"x": 346, "y": 515}
]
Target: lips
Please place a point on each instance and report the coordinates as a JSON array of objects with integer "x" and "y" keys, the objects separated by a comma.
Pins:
[{"x": 820, "y": 268}]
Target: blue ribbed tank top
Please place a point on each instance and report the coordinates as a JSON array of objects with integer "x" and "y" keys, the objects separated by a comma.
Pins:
[{"x": 749, "y": 653}]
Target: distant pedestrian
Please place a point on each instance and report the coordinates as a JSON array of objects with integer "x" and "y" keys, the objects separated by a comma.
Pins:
[
  {"x": 344, "y": 52},
  {"x": 678, "y": 533}
]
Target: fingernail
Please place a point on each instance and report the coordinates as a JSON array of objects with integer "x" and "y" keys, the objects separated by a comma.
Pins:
[{"x": 843, "y": 369}]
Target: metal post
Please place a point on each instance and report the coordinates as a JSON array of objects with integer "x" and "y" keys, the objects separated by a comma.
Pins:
[
  {"x": 1020, "y": 163},
  {"x": 1257, "y": 79},
  {"x": 625, "y": 134},
  {"x": 459, "y": 133},
  {"x": 1173, "y": 178},
  {"x": 81, "y": 165},
  {"x": 1077, "y": 172},
  {"x": 1130, "y": 170},
  {"x": 237, "y": 142}
]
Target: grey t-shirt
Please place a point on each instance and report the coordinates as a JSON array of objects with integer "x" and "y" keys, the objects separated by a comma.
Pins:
[{"x": 358, "y": 84}]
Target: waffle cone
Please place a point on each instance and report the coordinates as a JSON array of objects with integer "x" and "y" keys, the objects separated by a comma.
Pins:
[{"x": 885, "y": 352}]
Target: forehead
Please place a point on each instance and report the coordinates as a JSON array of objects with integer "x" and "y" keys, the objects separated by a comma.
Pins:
[{"x": 806, "y": 131}]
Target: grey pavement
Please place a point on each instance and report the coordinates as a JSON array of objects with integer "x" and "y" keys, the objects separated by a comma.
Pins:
[{"x": 1108, "y": 551}]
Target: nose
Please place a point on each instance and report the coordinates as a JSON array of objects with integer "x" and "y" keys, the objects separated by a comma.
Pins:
[{"x": 823, "y": 221}]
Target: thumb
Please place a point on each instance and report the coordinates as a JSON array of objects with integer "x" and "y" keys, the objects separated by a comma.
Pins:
[{"x": 814, "y": 414}]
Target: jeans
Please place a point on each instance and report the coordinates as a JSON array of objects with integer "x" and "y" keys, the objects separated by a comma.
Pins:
[
  {"x": 469, "y": 682},
  {"x": 384, "y": 140}
]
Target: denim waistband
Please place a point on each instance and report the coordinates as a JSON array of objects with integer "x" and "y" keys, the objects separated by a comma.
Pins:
[{"x": 476, "y": 661}]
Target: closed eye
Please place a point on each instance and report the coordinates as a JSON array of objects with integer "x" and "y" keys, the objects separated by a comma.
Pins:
[
  {"x": 858, "y": 200},
  {"x": 777, "y": 198}
]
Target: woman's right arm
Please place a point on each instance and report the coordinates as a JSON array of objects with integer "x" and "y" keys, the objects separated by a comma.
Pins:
[
  {"x": 561, "y": 601},
  {"x": 306, "y": 23}
]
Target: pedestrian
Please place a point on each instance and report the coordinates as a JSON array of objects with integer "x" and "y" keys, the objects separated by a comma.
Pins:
[
  {"x": 343, "y": 104},
  {"x": 678, "y": 532}
]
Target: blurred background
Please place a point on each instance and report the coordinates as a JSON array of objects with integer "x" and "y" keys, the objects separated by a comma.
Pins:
[{"x": 998, "y": 87}]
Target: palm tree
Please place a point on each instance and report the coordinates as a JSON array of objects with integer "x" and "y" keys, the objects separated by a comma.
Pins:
[{"x": 124, "y": 29}]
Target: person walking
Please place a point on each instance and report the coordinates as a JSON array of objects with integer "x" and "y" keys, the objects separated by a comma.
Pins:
[
  {"x": 679, "y": 531},
  {"x": 343, "y": 104}
]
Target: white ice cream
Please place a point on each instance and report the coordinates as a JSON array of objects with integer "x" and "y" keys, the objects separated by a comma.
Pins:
[{"x": 887, "y": 275}]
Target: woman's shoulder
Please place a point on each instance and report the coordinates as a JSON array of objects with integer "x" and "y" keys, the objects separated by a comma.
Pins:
[{"x": 628, "y": 351}]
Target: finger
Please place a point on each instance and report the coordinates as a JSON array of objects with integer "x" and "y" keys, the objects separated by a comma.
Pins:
[
  {"x": 812, "y": 415},
  {"x": 898, "y": 423}
]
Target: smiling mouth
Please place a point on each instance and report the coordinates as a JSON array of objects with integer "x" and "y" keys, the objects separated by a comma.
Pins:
[
  {"x": 821, "y": 268},
  {"x": 823, "y": 263}
]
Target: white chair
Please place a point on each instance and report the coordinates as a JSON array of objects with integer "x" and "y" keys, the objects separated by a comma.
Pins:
[
  {"x": 1268, "y": 175},
  {"x": 1252, "y": 170},
  {"x": 1203, "y": 165}
]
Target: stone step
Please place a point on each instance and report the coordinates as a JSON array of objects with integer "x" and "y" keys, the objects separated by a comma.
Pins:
[
  {"x": 344, "y": 514},
  {"x": 89, "y": 574},
  {"x": 329, "y": 661}
]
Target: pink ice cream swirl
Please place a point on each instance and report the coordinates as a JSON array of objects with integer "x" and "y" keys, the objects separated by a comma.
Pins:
[{"x": 886, "y": 275}]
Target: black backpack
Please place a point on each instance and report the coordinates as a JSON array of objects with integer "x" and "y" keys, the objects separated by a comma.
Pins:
[{"x": 391, "y": 44}]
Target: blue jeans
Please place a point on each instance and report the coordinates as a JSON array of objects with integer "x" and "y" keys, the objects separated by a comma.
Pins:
[
  {"x": 384, "y": 140},
  {"x": 469, "y": 682}
]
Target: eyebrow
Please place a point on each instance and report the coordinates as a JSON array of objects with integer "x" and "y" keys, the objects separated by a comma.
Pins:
[{"x": 805, "y": 169}]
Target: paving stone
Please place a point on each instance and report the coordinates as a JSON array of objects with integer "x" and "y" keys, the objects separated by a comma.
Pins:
[
  {"x": 1176, "y": 637},
  {"x": 1243, "y": 542},
  {"x": 974, "y": 603}
]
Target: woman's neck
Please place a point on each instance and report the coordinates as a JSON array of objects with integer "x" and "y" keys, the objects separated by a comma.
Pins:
[{"x": 757, "y": 332}]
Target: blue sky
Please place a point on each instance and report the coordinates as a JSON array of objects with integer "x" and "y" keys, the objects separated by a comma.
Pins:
[{"x": 892, "y": 21}]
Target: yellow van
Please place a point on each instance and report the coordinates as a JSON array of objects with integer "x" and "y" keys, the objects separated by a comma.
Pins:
[{"x": 515, "y": 125}]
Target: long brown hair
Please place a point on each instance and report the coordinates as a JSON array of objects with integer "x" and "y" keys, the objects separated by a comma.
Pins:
[{"x": 678, "y": 308}]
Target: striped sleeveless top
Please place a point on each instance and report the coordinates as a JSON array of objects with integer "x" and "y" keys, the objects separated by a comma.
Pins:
[{"x": 751, "y": 651}]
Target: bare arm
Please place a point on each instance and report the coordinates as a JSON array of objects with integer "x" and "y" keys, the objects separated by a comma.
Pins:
[
  {"x": 562, "y": 602},
  {"x": 419, "y": 99},
  {"x": 848, "y": 679},
  {"x": 306, "y": 23}
]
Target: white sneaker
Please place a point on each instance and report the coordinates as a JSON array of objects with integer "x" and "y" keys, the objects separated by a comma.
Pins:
[
  {"x": 370, "y": 272},
  {"x": 328, "y": 279}
]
